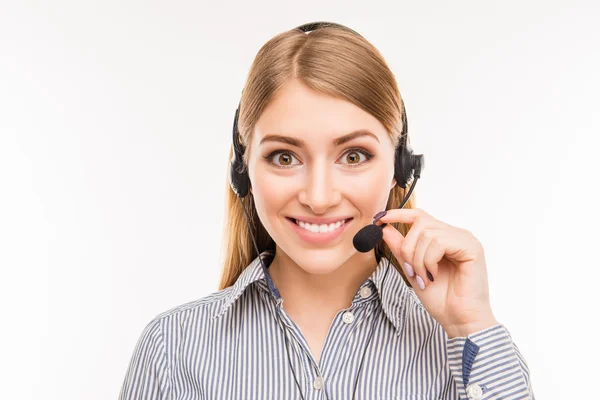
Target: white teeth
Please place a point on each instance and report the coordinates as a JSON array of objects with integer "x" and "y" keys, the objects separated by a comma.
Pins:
[{"x": 320, "y": 228}]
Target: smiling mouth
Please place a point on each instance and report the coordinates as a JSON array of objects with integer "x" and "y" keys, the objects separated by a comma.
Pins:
[{"x": 320, "y": 228}]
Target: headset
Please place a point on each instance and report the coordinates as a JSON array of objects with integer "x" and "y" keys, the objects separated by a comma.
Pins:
[{"x": 406, "y": 167}]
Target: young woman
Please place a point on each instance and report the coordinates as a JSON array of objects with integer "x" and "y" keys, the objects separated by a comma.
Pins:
[{"x": 310, "y": 317}]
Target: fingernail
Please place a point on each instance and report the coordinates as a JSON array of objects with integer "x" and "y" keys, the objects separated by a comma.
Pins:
[
  {"x": 430, "y": 276},
  {"x": 379, "y": 215},
  {"x": 409, "y": 270},
  {"x": 420, "y": 283}
]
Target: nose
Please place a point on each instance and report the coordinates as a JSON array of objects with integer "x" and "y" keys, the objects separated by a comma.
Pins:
[{"x": 319, "y": 190}]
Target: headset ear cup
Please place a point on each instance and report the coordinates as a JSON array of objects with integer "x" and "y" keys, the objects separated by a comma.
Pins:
[
  {"x": 401, "y": 166},
  {"x": 404, "y": 166},
  {"x": 238, "y": 179},
  {"x": 238, "y": 175},
  {"x": 397, "y": 169}
]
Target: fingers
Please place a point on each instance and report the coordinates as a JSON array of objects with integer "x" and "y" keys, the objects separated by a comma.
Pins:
[
  {"x": 408, "y": 250},
  {"x": 423, "y": 243},
  {"x": 413, "y": 252},
  {"x": 427, "y": 254},
  {"x": 404, "y": 215},
  {"x": 420, "y": 249},
  {"x": 393, "y": 238}
]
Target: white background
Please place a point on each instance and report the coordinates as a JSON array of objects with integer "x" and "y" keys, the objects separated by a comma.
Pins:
[{"x": 115, "y": 127}]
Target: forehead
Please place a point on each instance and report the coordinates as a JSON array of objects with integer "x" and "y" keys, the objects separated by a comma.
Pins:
[{"x": 314, "y": 117}]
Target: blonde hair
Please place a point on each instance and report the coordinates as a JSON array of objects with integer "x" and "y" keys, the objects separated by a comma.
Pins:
[{"x": 333, "y": 61}]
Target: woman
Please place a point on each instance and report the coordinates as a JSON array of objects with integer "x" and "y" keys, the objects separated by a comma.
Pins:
[{"x": 320, "y": 122}]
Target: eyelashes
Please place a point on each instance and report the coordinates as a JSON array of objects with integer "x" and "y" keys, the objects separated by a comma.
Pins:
[{"x": 367, "y": 154}]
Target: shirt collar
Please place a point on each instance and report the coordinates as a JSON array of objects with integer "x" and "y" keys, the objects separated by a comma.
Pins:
[{"x": 394, "y": 290}]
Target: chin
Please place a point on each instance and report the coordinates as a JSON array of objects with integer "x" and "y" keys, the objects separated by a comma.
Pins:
[{"x": 320, "y": 261}]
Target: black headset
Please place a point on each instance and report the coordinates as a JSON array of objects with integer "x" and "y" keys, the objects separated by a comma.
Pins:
[{"x": 406, "y": 166}]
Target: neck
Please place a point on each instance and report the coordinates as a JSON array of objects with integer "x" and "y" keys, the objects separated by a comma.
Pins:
[{"x": 304, "y": 292}]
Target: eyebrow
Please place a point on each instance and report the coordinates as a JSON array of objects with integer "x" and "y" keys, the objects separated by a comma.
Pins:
[{"x": 336, "y": 142}]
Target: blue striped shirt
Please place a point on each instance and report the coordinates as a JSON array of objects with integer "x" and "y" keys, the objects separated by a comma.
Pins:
[{"x": 231, "y": 345}]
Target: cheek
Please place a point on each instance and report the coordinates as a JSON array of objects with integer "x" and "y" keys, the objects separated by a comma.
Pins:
[
  {"x": 270, "y": 198},
  {"x": 272, "y": 191},
  {"x": 369, "y": 193}
]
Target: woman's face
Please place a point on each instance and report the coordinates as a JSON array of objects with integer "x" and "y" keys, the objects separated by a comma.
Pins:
[{"x": 301, "y": 171}]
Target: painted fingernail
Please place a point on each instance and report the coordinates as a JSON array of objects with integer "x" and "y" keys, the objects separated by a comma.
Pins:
[
  {"x": 409, "y": 270},
  {"x": 430, "y": 276},
  {"x": 420, "y": 283},
  {"x": 379, "y": 215}
]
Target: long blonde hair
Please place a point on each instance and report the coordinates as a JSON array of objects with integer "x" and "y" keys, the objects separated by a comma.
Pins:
[{"x": 331, "y": 60}]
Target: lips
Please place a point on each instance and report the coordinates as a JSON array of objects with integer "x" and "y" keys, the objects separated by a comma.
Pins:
[{"x": 318, "y": 237}]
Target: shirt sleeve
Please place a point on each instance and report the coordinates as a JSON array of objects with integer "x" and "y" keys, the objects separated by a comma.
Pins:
[
  {"x": 487, "y": 365},
  {"x": 147, "y": 375}
]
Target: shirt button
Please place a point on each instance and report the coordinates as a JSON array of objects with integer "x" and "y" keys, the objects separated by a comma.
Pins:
[
  {"x": 474, "y": 392},
  {"x": 365, "y": 292},
  {"x": 318, "y": 383},
  {"x": 348, "y": 317}
]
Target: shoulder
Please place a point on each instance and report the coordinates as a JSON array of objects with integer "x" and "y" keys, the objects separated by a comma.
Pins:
[
  {"x": 163, "y": 337},
  {"x": 186, "y": 317},
  {"x": 206, "y": 306},
  {"x": 178, "y": 324},
  {"x": 198, "y": 316}
]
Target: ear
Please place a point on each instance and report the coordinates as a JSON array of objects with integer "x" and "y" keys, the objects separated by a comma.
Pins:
[{"x": 393, "y": 183}]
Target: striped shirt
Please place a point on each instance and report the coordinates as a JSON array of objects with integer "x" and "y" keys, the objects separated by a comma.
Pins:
[{"x": 231, "y": 345}]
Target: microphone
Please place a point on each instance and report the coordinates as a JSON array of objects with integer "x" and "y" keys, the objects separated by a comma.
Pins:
[{"x": 367, "y": 238}]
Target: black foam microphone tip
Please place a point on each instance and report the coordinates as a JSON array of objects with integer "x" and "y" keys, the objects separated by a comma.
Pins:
[{"x": 367, "y": 238}]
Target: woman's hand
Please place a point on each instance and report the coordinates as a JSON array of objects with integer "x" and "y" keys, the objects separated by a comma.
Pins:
[{"x": 458, "y": 296}]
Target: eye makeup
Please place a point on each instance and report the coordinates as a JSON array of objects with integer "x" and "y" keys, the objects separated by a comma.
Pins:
[{"x": 368, "y": 155}]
